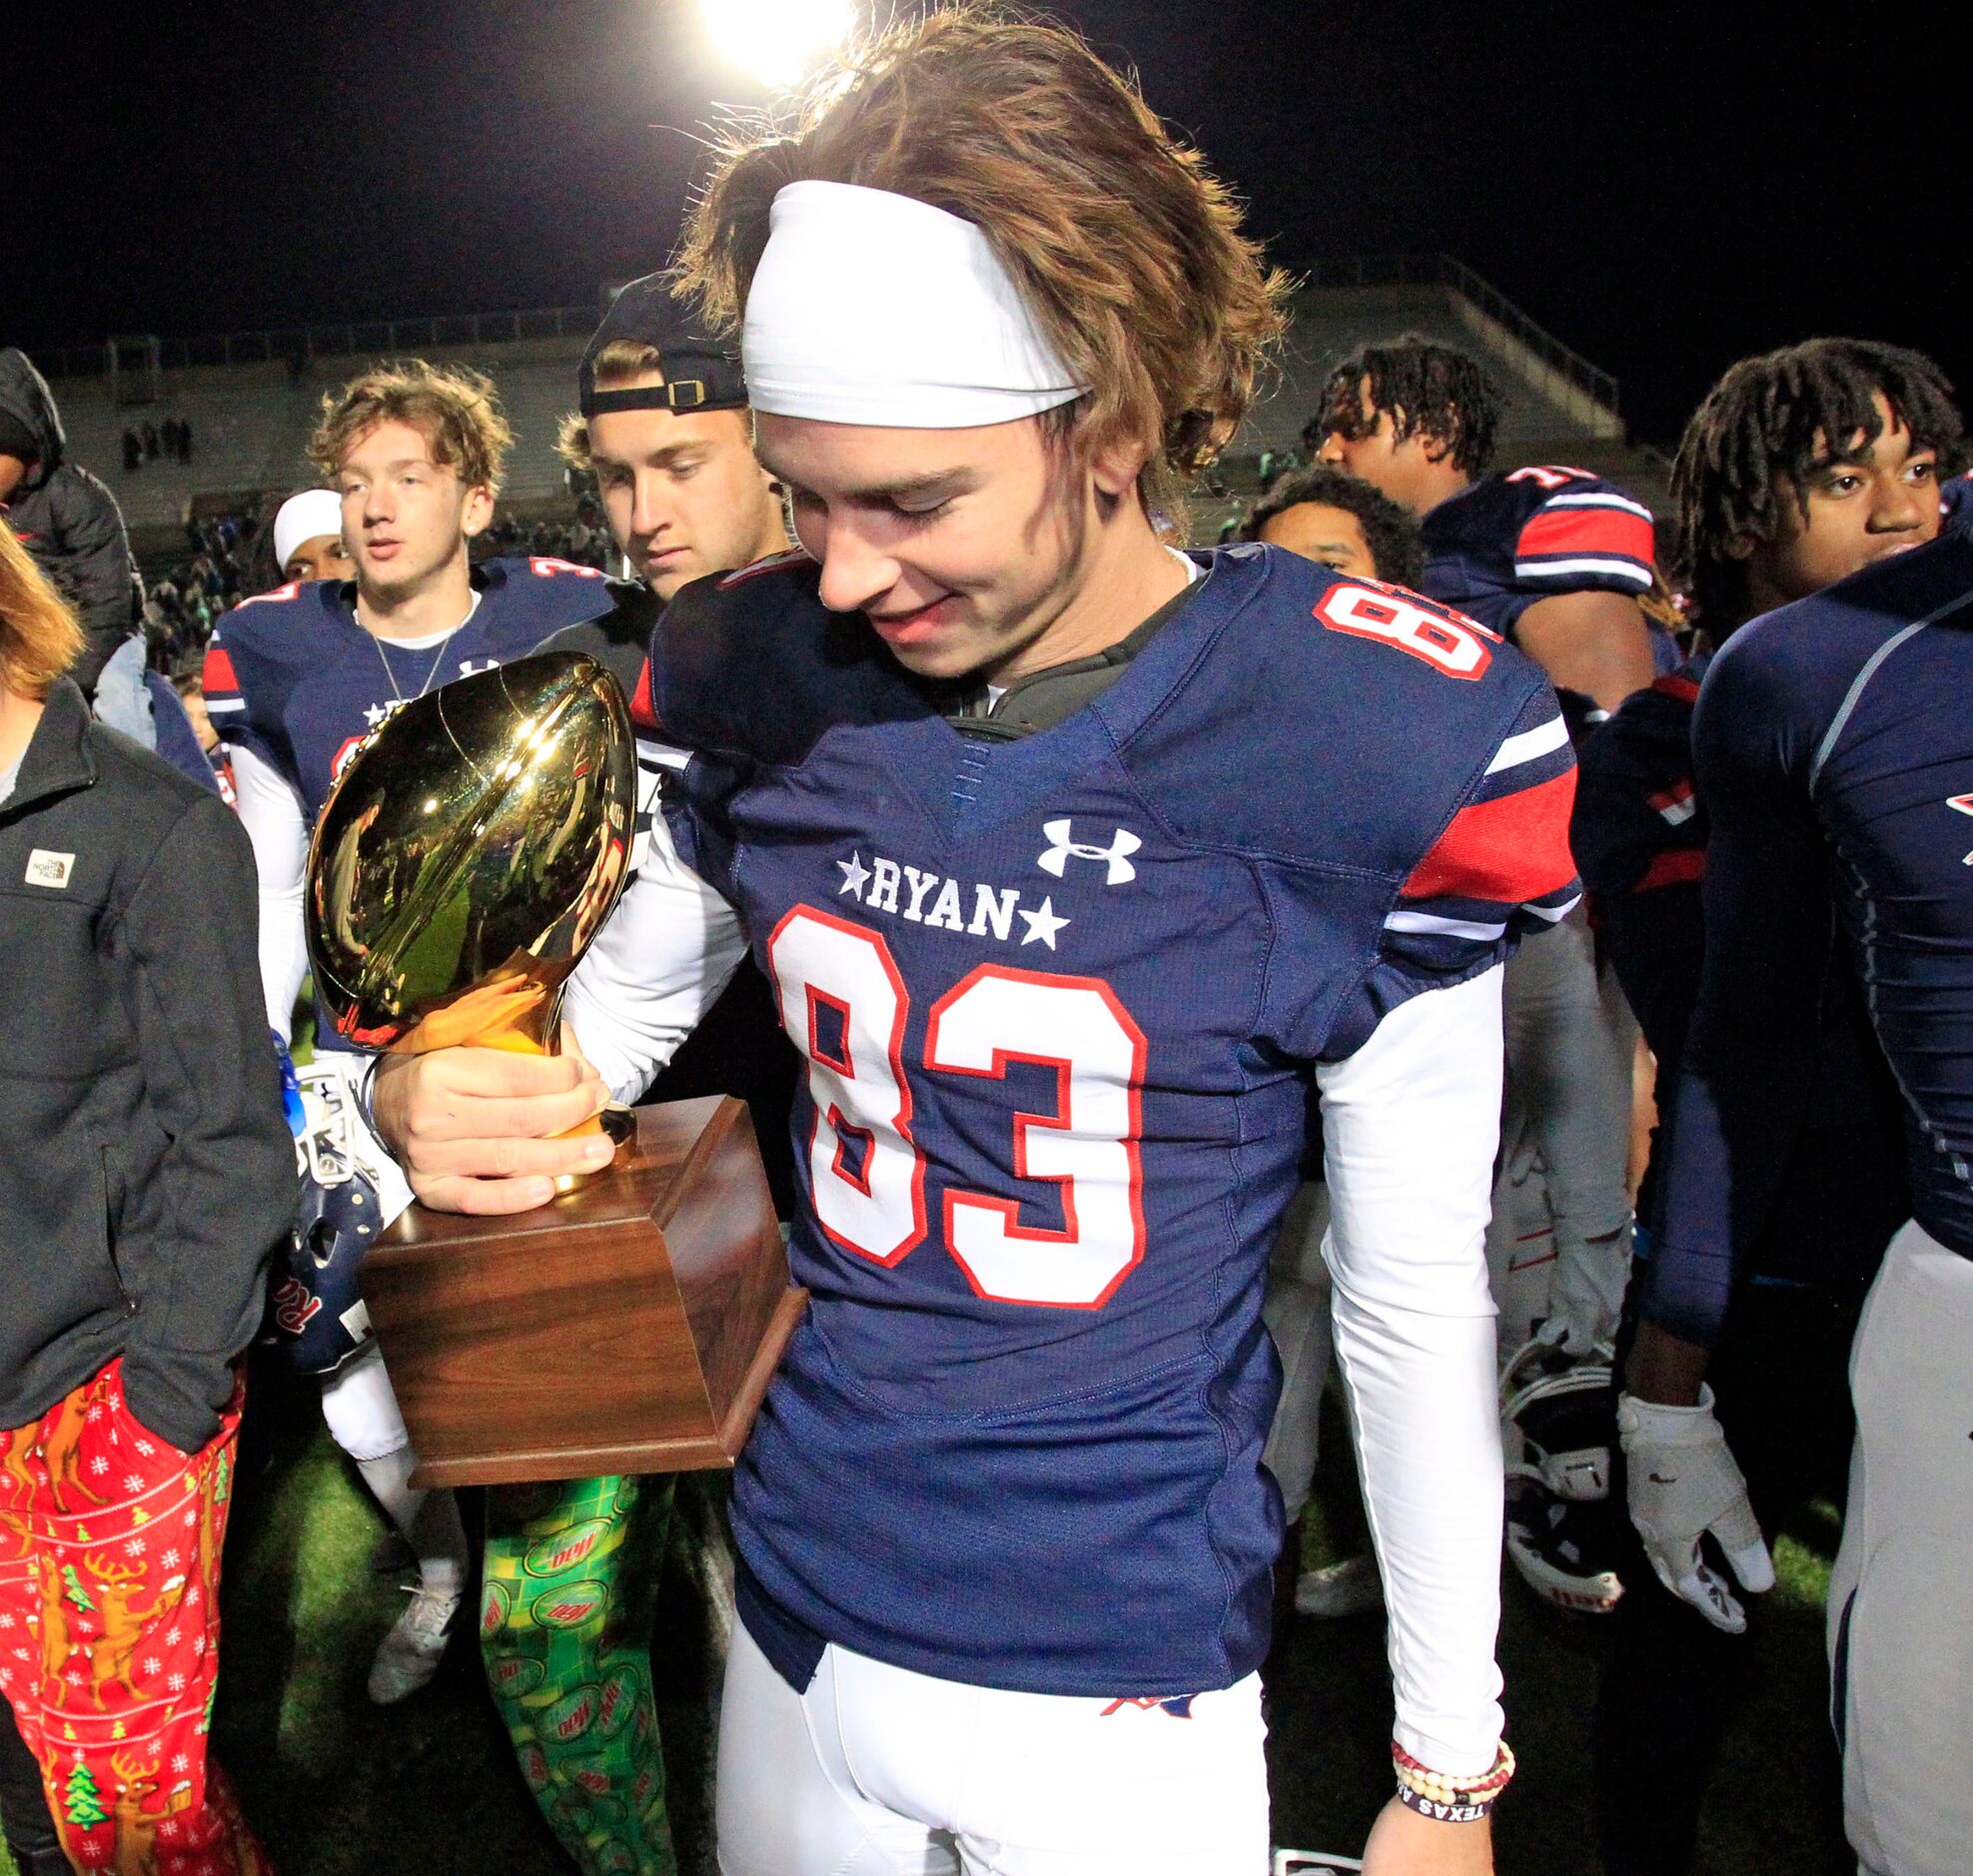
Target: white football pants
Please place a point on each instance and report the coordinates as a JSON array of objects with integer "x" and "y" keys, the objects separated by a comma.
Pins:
[
  {"x": 877, "y": 1771},
  {"x": 1902, "y": 1594}
]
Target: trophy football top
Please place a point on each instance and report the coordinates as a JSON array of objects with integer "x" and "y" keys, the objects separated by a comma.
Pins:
[{"x": 470, "y": 852}]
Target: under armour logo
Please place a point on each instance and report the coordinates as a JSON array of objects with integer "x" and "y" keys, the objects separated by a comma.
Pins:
[
  {"x": 467, "y": 668},
  {"x": 1964, "y": 803},
  {"x": 1061, "y": 847}
]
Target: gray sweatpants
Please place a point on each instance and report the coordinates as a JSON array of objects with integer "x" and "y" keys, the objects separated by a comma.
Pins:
[{"x": 1901, "y": 1596}]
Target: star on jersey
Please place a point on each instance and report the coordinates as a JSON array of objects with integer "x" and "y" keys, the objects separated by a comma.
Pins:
[
  {"x": 938, "y": 903},
  {"x": 1962, "y": 804},
  {"x": 1042, "y": 923}
]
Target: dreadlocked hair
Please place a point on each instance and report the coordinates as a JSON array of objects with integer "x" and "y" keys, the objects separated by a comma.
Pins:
[
  {"x": 1127, "y": 251},
  {"x": 1425, "y": 389},
  {"x": 1765, "y": 430},
  {"x": 1389, "y": 531}
]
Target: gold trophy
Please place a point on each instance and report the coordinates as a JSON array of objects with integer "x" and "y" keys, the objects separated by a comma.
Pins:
[{"x": 469, "y": 854}]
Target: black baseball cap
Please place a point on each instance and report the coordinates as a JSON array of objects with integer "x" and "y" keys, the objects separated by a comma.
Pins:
[{"x": 700, "y": 373}]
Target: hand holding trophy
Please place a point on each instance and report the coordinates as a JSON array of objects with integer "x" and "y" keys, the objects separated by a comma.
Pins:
[{"x": 472, "y": 851}]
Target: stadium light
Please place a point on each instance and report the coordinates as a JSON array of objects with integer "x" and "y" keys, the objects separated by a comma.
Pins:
[{"x": 776, "y": 40}]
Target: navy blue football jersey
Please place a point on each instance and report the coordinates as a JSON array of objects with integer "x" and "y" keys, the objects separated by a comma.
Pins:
[
  {"x": 1640, "y": 836},
  {"x": 292, "y": 676},
  {"x": 1956, "y": 502},
  {"x": 1833, "y": 747},
  {"x": 1498, "y": 547},
  {"x": 1057, "y": 998}
]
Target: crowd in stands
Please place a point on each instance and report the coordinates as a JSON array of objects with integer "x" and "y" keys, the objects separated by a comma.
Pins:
[
  {"x": 146, "y": 442},
  {"x": 229, "y": 557}
]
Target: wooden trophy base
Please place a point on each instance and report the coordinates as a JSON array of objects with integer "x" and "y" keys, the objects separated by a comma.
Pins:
[{"x": 629, "y": 1327}]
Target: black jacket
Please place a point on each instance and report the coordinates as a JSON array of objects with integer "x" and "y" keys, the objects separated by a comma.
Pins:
[
  {"x": 70, "y": 523},
  {"x": 146, "y": 1169}
]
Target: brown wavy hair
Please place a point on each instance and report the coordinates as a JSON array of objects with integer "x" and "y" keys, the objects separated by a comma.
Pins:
[
  {"x": 39, "y": 636},
  {"x": 1127, "y": 252},
  {"x": 454, "y": 408}
]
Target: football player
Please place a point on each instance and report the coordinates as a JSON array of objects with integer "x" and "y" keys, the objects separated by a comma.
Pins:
[
  {"x": 1833, "y": 751},
  {"x": 295, "y": 681},
  {"x": 1554, "y": 559},
  {"x": 1340, "y": 522},
  {"x": 1800, "y": 467},
  {"x": 1071, "y": 858},
  {"x": 308, "y": 537},
  {"x": 663, "y": 427},
  {"x": 662, "y": 423},
  {"x": 1328, "y": 515}
]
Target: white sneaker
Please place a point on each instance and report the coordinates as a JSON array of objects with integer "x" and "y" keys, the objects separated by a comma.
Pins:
[
  {"x": 1351, "y": 1587},
  {"x": 409, "y": 1654}
]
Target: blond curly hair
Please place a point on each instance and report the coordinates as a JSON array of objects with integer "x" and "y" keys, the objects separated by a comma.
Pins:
[{"x": 454, "y": 408}]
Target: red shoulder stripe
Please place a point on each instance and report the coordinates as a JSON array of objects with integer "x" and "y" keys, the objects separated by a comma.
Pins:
[
  {"x": 1679, "y": 866},
  {"x": 1586, "y": 531},
  {"x": 1510, "y": 850},
  {"x": 1683, "y": 689},
  {"x": 217, "y": 673},
  {"x": 643, "y": 704}
]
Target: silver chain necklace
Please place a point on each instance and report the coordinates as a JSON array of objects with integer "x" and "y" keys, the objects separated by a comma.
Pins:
[{"x": 438, "y": 654}]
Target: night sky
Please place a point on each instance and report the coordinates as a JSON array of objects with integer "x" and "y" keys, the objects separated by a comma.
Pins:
[{"x": 1665, "y": 186}]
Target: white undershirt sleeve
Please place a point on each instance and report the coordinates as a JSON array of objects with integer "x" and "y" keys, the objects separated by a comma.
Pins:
[
  {"x": 661, "y": 960},
  {"x": 1411, "y": 1123},
  {"x": 277, "y": 824}
]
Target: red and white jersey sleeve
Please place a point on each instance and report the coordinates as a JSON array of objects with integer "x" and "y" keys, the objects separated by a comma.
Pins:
[
  {"x": 1501, "y": 868},
  {"x": 1584, "y": 536}
]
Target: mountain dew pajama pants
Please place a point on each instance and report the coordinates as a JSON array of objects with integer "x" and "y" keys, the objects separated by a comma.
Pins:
[
  {"x": 565, "y": 1621},
  {"x": 110, "y": 1545}
]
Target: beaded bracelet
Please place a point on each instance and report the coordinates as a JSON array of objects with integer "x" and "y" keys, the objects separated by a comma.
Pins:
[{"x": 1447, "y": 1799}]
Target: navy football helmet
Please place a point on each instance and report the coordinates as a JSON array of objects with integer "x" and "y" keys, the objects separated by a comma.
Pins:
[
  {"x": 315, "y": 1311},
  {"x": 1557, "y": 1426}
]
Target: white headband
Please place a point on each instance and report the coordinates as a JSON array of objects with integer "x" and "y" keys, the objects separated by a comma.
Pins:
[
  {"x": 873, "y": 307},
  {"x": 302, "y": 518}
]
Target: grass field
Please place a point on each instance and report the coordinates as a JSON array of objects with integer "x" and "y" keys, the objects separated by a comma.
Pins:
[{"x": 337, "y": 1788}]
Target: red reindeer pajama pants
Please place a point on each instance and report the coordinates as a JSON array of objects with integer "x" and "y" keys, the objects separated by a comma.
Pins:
[{"x": 109, "y": 1628}]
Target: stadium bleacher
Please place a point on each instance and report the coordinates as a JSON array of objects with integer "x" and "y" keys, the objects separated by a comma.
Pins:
[{"x": 251, "y": 417}]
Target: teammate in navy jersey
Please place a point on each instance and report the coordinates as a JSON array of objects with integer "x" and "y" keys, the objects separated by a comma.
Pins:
[
  {"x": 1555, "y": 561},
  {"x": 1769, "y": 513},
  {"x": 1553, "y": 558},
  {"x": 1072, "y": 860},
  {"x": 295, "y": 681},
  {"x": 1342, "y": 523},
  {"x": 663, "y": 426},
  {"x": 1833, "y": 751}
]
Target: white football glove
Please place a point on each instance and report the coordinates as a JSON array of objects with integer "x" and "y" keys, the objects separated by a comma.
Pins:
[{"x": 1683, "y": 1484}]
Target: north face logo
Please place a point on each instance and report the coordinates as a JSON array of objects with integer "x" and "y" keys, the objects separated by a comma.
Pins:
[
  {"x": 1063, "y": 847},
  {"x": 49, "y": 870}
]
